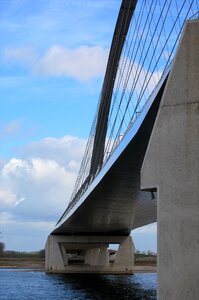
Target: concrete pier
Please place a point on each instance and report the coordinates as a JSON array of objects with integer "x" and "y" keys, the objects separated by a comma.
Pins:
[
  {"x": 88, "y": 254},
  {"x": 171, "y": 166}
]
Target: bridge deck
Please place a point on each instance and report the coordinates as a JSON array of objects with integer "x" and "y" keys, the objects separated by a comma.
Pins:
[{"x": 114, "y": 204}]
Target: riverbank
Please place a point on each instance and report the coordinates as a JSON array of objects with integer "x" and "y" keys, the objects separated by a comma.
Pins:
[
  {"x": 38, "y": 264},
  {"x": 145, "y": 269},
  {"x": 22, "y": 263}
]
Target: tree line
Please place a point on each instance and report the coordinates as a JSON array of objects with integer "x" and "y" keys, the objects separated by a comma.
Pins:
[{"x": 17, "y": 254}]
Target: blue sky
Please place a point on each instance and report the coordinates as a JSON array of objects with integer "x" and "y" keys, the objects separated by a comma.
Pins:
[{"x": 53, "y": 56}]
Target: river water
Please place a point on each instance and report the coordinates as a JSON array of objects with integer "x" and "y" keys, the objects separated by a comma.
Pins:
[{"x": 31, "y": 285}]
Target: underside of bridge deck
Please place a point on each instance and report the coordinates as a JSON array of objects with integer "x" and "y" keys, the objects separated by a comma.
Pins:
[{"x": 116, "y": 205}]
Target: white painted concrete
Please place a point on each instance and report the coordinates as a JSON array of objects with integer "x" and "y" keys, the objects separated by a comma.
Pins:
[{"x": 171, "y": 165}]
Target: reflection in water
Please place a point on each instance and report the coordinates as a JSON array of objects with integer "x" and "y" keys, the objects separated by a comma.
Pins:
[
  {"x": 38, "y": 285},
  {"x": 139, "y": 286}
]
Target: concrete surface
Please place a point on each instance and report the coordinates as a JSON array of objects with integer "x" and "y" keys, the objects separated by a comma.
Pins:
[
  {"x": 88, "y": 254},
  {"x": 115, "y": 205},
  {"x": 171, "y": 166}
]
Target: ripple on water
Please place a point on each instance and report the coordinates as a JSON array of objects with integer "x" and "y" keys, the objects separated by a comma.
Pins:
[{"x": 38, "y": 285}]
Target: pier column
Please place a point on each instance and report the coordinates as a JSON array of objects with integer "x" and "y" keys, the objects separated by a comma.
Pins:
[
  {"x": 88, "y": 254},
  {"x": 91, "y": 257},
  {"x": 103, "y": 258},
  {"x": 125, "y": 254},
  {"x": 171, "y": 166}
]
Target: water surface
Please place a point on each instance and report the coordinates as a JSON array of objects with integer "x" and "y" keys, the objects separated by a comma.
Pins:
[{"x": 19, "y": 285}]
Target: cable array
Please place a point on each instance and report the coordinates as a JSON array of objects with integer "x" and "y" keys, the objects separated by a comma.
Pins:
[{"x": 148, "y": 50}]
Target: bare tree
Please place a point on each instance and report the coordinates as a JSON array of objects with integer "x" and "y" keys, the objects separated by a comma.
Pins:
[{"x": 2, "y": 246}]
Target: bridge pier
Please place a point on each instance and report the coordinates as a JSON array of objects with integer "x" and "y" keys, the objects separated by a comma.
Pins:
[
  {"x": 171, "y": 166},
  {"x": 89, "y": 254}
]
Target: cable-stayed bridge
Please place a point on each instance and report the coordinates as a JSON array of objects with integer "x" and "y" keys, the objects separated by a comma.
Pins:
[{"x": 107, "y": 201}]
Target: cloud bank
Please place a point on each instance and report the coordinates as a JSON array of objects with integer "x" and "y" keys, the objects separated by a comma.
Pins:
[{"x": 35, "y": 189}]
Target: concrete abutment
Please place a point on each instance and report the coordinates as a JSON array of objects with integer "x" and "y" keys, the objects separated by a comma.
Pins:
[{"x": 171, "y": 166}]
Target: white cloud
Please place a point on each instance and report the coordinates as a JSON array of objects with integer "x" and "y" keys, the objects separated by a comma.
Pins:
[
  {"x": 7, "y": 198},
  {"x": 25, "y": 55},
  {"x": 9, "y": 219},
  {"x": 66, "y": 151},
  {"x": 82, "y": 63},
  {"x": 11, "y": 128},
  {"x": 35, "y": 189},
  {"x": 14, "y": 167},
  {"x": 20, "y": 200},
  {"x": 38, "y": 186},
  {"x": 138, "y": 78}
]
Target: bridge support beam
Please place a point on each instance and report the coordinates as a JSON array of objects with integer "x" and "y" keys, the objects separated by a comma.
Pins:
[
  {"x": 89, "y": 254},
  {"x": 171, "y": 166}
]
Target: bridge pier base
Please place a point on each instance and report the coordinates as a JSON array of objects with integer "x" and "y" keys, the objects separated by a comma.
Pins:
[
  {"x": 89, "y": 254},
  {"x": 171, "y": 165}
]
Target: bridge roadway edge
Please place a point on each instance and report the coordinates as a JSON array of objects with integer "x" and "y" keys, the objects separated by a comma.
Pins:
[{"x": 171, "y": 165}]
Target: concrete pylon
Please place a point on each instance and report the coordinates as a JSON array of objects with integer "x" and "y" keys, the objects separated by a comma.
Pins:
[{"x": 171, "y": 166}]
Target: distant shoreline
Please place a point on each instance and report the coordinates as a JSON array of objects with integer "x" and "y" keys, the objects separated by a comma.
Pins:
[
  {"x": 36, "y": 264},
  {"x": 143, "y": 269},
  {"x": 25, "y": 265}
]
